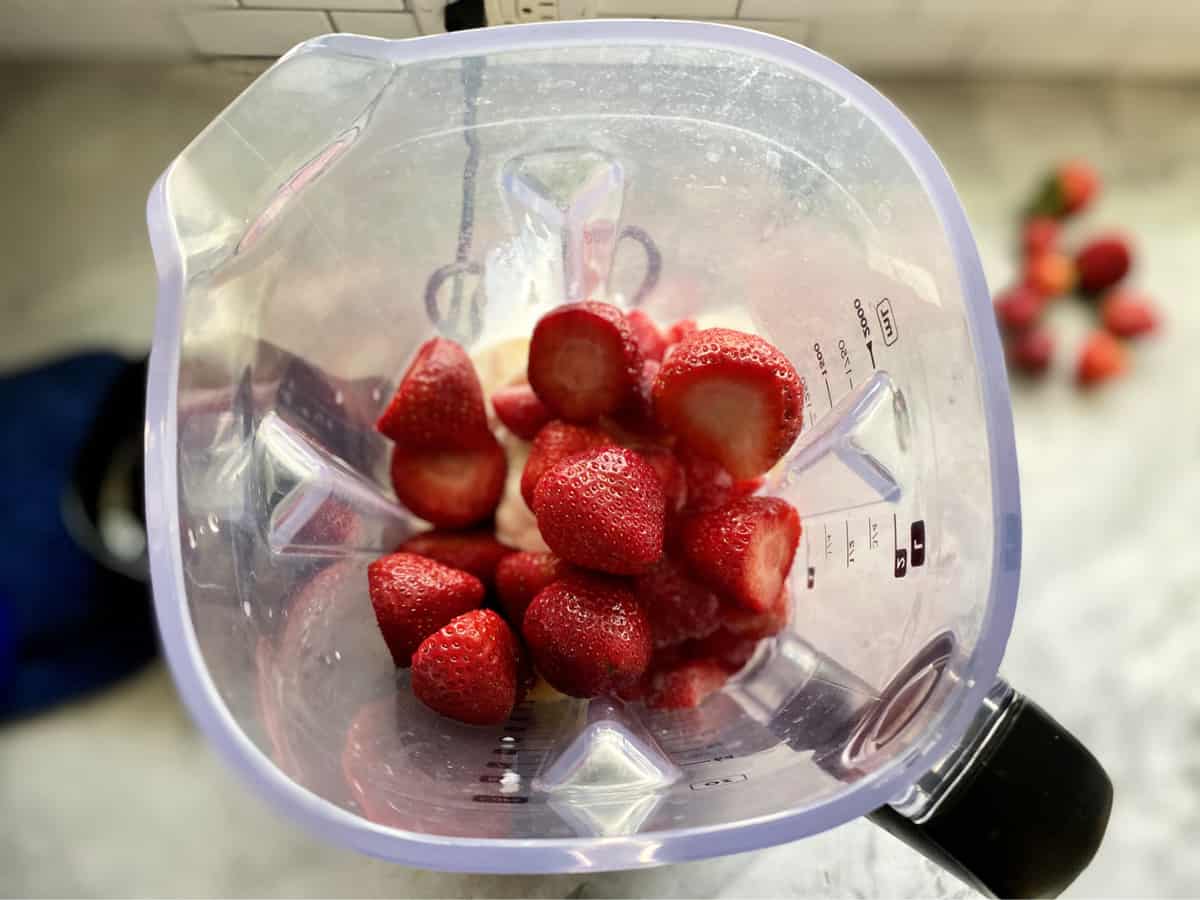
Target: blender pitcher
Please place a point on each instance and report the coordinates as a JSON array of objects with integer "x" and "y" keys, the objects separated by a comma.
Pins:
[{"x": 364, "y": 195}]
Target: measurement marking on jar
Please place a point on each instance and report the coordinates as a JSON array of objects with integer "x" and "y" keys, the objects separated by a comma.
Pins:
[
  {"x": 849, "y": 546},
  {"x": 900, "y": 568},
  {"x": 847, "y": 366},
  {"x": 717, "y": 782},
  {"x": 865, "y": 328},
  {"x": 828, "y": 543},
  {"x": 824, "y": 371},
  {"x": 872, "y": 534}
]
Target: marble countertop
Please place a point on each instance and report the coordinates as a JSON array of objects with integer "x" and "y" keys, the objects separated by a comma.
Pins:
[{"x": 118, "y": 794}]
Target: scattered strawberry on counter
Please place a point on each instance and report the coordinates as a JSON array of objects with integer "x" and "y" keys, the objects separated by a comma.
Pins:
[
  {"x": 665, "y": 568},
  {"x": 1096, "y": 270}
]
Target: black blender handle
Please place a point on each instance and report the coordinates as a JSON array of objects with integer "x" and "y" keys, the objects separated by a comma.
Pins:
[{"x": 1025, "y": 816}]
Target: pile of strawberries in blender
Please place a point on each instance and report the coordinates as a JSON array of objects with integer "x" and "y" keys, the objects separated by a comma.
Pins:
[
  {"x": 648, "y": 447},
  {"x": 1096, "y": 271}
]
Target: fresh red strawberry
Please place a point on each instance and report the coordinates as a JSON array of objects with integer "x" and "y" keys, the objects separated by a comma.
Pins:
[
  {"x": 686, "y": 685},
  {"x": 1102, "y": 262},
  {"x": 670, "y": 476},
  {"x": 663, "y": 658},
  {"x": 709, "y": 485},
  {"x": 521, "y": 576},
  {"x": 679, "y": 609},
  {"x": 450, "y": 488},
  {"x": 477, "y": 552},
  {"x": 1128, "y": 314},
  {"x": 684, "y": 328},
  {"x": 1019, "y": 308},
  {"x": 1050, "y": 274},
  {"x": 584, "y": 361},
  {"x": 1032, "y": 351},
  {"x": 439, "y": 402},
  {"x": 649, "y": 339},
  {"x": 636, "y": 420},
  {"x": 730, "y": 396},
  {"x": 588, "y": 635},
  {"x": 468, "y": 670},
  {"x": 414, "y": 596},
  {"x": 553, "y": 444},
  {"x": 520, "y": 411},
  {"x": 743, "y": 622},
  {"x": 745, "y": 549},
  {"x": 1040, "y": 235},
  {"x": 1068, "y": 190},
  {"x": 729, "y": 650},
  {"x": 1102, "y": 357},
  {"x": 602, "y": 509}
]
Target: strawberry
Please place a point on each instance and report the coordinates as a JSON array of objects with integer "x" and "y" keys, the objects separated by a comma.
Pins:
[
  {"x": 685, "y": 685},
  {"x": 637, "y": 418},
  {"x": 729, "y": 650},
  {"x": 584, "y": 361},
  {"x": 649, "y": 339},
  {"x": 477, "y": 552},
  {"x": 1032, "y": 351},
  {"x": 679, "y": 609},
  {"x": 1068, "y": 190},
  {"x": 1050, "y": 274},
  {"x": 709, "y": 485},
  {"x": 744, "y": 549},
  {"x": 670, "y": 476},
  {"x": 743, "y": 622},
  {"x": 1101, "y": 358},
  {"x": 602, "y": 509},
  {"x": 553, "y": 444},
  {"x": 1040, "y": 235},
  {"x": 468, "y": 670},
  {"x": 730, "y": 396},
  {"x": 588, "y": 635},
  {"x": 684, "y": 328},
  {"x": 1128, "y": 314},
  {"x": 521, "y": 576},
  {"x": 439, "y": 402},
  {"x": 450, "y": 488},
  {"x": 1102, "y": 262},
  {"x": 414, "y": 596},
  {"x": 1019, "y": 308},
  {"x": 520, "y": 411}
]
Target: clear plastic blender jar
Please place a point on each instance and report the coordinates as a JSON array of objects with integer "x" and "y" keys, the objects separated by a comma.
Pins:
[{"x": 364, "y": 195}]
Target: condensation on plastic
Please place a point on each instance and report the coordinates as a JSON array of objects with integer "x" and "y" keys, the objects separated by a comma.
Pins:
[{"x": 294, "y": 239}]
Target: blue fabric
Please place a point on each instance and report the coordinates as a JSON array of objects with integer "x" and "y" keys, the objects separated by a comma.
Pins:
[{"x": 62, "y": 632}]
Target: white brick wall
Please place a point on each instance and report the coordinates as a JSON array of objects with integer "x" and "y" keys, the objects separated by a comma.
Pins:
[{"x": 1022, "y": 38}]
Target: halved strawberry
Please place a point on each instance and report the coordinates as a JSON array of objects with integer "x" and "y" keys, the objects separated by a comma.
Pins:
[
  {"x": 670, "y": 475},
  {"x": 414, "y": 596},
  {"x": 730, "y": 396},
  {"x": 679, "y": 608},
  {"x": 602, "y": 509},
  {"x": 684, "y": 328},
  {"x": 584, "y": 361},
  {"x": 553, "y": 444},
  {"x": 450, "y": 488},
  {"x": 744, "y": 549},
  {"x": 649, "y": 339},
  {"x": 730, "y": 651},
  {"x": 520, "y": 410},
  {"x": 438, "y": 403},
  {"x": 588, "y": 635},
  {"x": 522, "y": 576},
  {"x": 709, "y": 485},
  {"x": 468, "y": 670},
  {"x": 477, "y": 552},
  {"x": 685, "y": 685},
  {"x": 743, "y": 622}
]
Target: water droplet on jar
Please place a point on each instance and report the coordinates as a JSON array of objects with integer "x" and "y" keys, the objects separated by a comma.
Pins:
[
  {"x": 714, "y": 151},
  {"x": 833, "y": 159},
  {"x": 884, "y": 213},
  {"x": 246, "y": 608}
]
